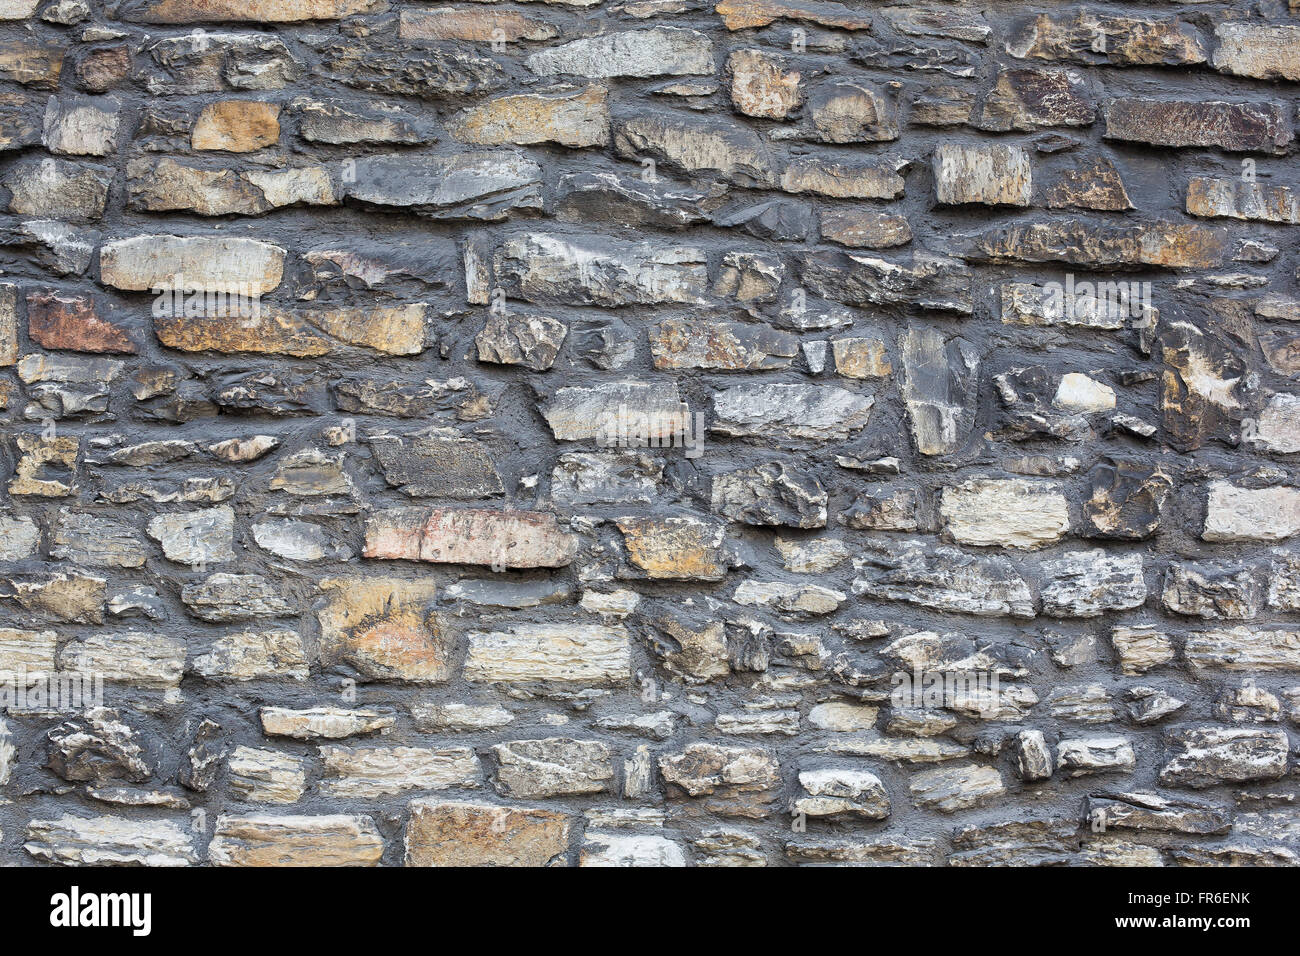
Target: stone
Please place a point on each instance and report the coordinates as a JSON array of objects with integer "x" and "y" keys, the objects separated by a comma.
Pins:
[
  {"x": 1005, "y": 513},
  {"x": 1126, "y": 500},
  {"x": 608, "y": 197},
  {"x": 110, "y": 841},
  {"x": 1090, "y": 583},
  {"x": 226, "y": 597},
  {"x": 660, "y": 51},
  {"x": 237, "y": 126},
  {"x": 76, "y": 127},
  {"x": 1141, "y": 647},
  {"x": 992, "y": 175},
  {"x": 944, "y": 579},
  {"x": 589, "y": 655},
  {"x": 930, "y": 282},
  {"x": 1026, "y": 100},
  {"x": 99, "y": 542},
  {"x": 791, "y": 412},
  {"x": 369, "y": 772},
  {"x": 322, "y": 723},
  {"x": 1211, "y": 591},
  {"x": 266, "y": 776},
  {"x": 1098, "y": 246},
  {"x": 840, "y": 180},
  {"x": 717, "y": 149},
  {"x": 563, "y": 270},
  {"x": 1087, "y": 37},
  {"x": 529, "y": 340},
  {"x": 1250, "y": 514},
  {"x": 73, "y": 323},
  {"x": 19, "y": 538},
  {"x": 675, "y": 549},
  {"x": 728, "y": 781},
  {"x": 1210, "y": 756},
  {"x": 940, "y": 379},
  {"x": 235, "y": 266},
  {"x": 1211, "y": 196},
  {"x": 841, "y": 793},
  {"x": 1261, "y": 51},
  {"x": 55, "y": 187},
  {"x": 97, "y": 747},
  {"x": 254, "y": 655},
  {"x": 848, "y": 112},
  {"x": 1086, "y": 755},
  {"x": 256, "y": 11},
  {"x": 1157, "y": 813},
  {"x": 762, "y": 86},
  {"x": 343, "y": 124},
  {"x": 305, "y": 840},
  {"x": 471, "y": 834},
  {"x": 556, "y": 766},
  {"x": 956, "y": 787},
  {"x": 437, "y": 464},
  {"x": 1033, "y": 756},
  {"x": 1243, "y": 648},
  {"x": 770, "y": 495},
  {"x": 746, "y": 14},
  {"x": 614, "y": 849},
  {"x": 510, "y": 539},
  {"x": 196, "y": 537},
  {"x": 1097, "y": 186},
  {"x": 1232, "y": 127},
  {"x": 477, "y": 26},
  {"x": 725, "y": 346},
  {"x": 575, "y": 120},
  {"x": 384, "y": 628}
]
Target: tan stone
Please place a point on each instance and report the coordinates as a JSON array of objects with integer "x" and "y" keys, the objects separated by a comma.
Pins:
[
  {"x": 569, "y": 653},
  {"x": 472, "y": 834},
  {"x": 302, "y": 333},
  {"x": 237, "y": 126},
  {"x": 760, "y": 85},
  {"x": 383, "y": 627},
  {"x": 861, "y": 358},
  {"x": 252, "y": 11},
  {"x": 571, "y": 119},
  {"x": 473, "y": 25},
  {"x": 675, "y": 548},
  {"x": 745, "y": 14},
  {"x": 268, "y": 840}
]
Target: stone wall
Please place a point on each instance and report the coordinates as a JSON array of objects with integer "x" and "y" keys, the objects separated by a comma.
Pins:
[{"x": 645, "y": 431}]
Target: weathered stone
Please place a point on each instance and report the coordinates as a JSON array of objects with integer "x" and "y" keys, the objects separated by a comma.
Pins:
[
  {"x": 478, "y": 185},
  {"x": 237, "y": 126},
  {"x": 1250, "y": 514},
  {"x": 745, "y": 14},
  {"x": 235, "y": 597},
  {"x": 1262, "y": 51},
  {"x": 384, "y": 628},
  {"x": 1098, "y": 186},
  {"x": 725, "y": 346},
  {"x": 1151, "y": 811},
  {"x": 369, "y": 772},
  {"x": 1086, "y": 755},
  {"x": 100, "y": 542},
  {"x": 679, "y": 548},
  {"x": 956, "y": 787},
  {"x": 844, "y": 180},
  {"x": 476, "y": 26},
  {"x": 992, "y": 175},
  {"x": 471, "y": 834},
  {"x": 770, "y": 495},
  {"x": 1233, "y": 199},
  {"x": 614, "y": 849},
  {"x": 570, "y": 119},
  {"x": 733, "y": 781},
  {"x": 943, "y": 578},
  {"x": 1209, "y": 756},
  {"x": 1087, "y": 37},
  {"x": 235, "y": 266},
  {"x": 1090, "y": 583},
  {"x": 552, "y": 767},
  {"x": 55, "y": 187},
  {"x": 73, "y": 323},
  {"x": 1171, "y": 245},
  {"x": 762, "y": 86},
  {"x": 168, "y": 185},
  {"x": 661, "y": 51},
  {"x": 61, "y": 596},
  {"x": 322, "y": 723},
  {"x": 608, "y": 197},
  {"x": 196, "y": 537},
  {"x": 510, "y": 539},
  {"x": 930, "y": 282},
  {"x": 1005, "y": 513},
  {"x": 791, "y": 412},
  {"x": 97, "y": 747},
  {"x": 266, "y": 776},
  {"x": 1211, "y": 591},
  {"x": 110, "y": 841},
  {"x": 940, "y": 380},
  {"x": 1030, "y": 99},
  {"x": 344, "y": 124},
  {"x": 249, "y": 11},
  {"x": 1125, "y": 501},
  {"x": 529, "y": 340},
  {"x": 580, "y": 654},
  {"x": 1141, "y": 647},
  {"x": 848, "y": 112},
  {"x": 1232, "y": 127},
  {"x": 1033, "y": 756},
  {"x": 564, "y": 270},
  {"x": 275, "y": 840},
  {"x": 1243, "y": 649},
  {"x": 849, "y": 793},
  {"x": 254, "y": 655},
  {"x": 721, "y": 149},
  {"x": 31, "y": 63}
]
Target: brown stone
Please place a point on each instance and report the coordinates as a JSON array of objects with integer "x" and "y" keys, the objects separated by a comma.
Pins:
[
  {"x": 675, "y": 548},
  {"x": 862, "y": 228},
  {"x": 72, "y": 323},
  {"x": 1097, "y": 185},
  {"x": 571, "y": 119},
  {"x": 761, "y": 86},
  {"x": 745, "y": 14},
  {"x": 237, "y": 126},
  {"x": 475, "y": 26},
  {"x": 302, "y": 333},
  {"x": 250, "y": 11},
  {"x": 1232, "y": 127},
  {"x": 472, "y": 834}
]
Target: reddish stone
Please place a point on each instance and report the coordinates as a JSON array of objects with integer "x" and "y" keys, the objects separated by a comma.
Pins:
[
  {"x": 55, "y": 322},
  {"x": 507, "y": 539}
]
